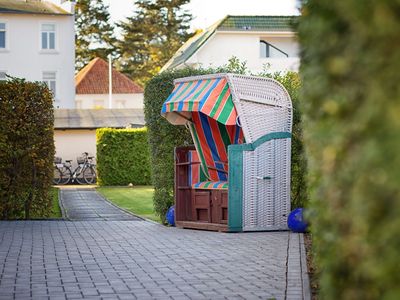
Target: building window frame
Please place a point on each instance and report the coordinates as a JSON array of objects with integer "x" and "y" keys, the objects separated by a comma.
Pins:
[
  {"x": 3, "y": 75},
  {"x": 50, "y": 79},
  {"x": 267, "y": 50},
  {"x": 4, "y": 29},
  {"x": 48, "y": 37}
]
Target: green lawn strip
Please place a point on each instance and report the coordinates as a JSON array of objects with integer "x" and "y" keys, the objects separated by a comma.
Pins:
[
  {"x": 138, "y": 199},
  {"x": 56, "y": 210}
]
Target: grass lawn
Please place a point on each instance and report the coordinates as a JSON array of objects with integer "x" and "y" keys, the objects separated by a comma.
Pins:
[
  {"x": 138, "y": 199},
  {"x": 56, "y": 210}
]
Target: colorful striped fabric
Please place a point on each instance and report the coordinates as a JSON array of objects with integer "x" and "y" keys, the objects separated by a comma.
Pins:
[
  {"x": 212, "y": 97},
  {"x": 196, "y": 173},
  {"x": 210, "y": 185},
  {"x": 212, "y": 139}
]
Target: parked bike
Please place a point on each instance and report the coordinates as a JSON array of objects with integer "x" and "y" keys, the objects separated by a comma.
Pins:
[{"x": 84, "y": 173}]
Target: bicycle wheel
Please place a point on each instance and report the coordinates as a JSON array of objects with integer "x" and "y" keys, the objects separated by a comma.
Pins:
[
  {"x": 79, "y": 175},
  {"x": 66, "y": 175},
  {"x": 57, "y": 176},
  {"x": 89, "y": 174}
]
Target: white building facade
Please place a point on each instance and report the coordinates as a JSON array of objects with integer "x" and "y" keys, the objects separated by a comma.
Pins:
[
  {"x": 37, "y": 43},
  {"x": 265, "y": 43}
]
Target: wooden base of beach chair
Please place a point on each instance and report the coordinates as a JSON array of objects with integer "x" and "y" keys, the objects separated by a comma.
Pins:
[{"x": 202, "y": 226}]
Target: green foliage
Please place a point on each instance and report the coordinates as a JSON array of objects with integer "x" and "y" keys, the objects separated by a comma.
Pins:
[
  {"x": 163, "y": 136},
  {"x": 152, "y": 36},
  {"x": 122, "y": 157},
  {"x": 350, "y": 70},
  {"x": 26, "y": 149},
  {"x": 94, "y": 33}
]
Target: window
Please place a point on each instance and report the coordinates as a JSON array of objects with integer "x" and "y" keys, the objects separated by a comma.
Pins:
[
  {"x": 2, "y": 35},
  {"x": 49, "y": 78},
  {"x": 48, "y": 36},
  {"x": 269, "y": 50},
  {"x": 3, "y": 75}
]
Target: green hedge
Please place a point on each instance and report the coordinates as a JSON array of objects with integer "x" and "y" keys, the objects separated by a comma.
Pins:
[
  {"x": 122, "y": 157},
  {"x": 350, "y": 70},
  {"x": 26, "y": 149},
  {"x": 163, "y": 136}
]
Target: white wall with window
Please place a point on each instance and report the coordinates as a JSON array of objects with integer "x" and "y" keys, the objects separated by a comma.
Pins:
[
  {"x": 252, "y": 47},
  {"x": 40, "y": 47}
]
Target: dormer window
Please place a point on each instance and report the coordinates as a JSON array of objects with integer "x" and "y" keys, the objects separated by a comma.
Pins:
[
  {"x": 269, "y": 50},
  {"x": 48, "y": 36}
]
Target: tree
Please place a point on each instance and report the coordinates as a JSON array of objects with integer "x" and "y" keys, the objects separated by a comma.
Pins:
[
  {"x": 94, "y": 33},
  {"x": 152, "y": 36}
]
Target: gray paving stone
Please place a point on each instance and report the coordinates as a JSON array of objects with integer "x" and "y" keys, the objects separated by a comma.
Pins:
[
  {"x": 87, "y": 204},
  {"x": 141, "y": 260}
]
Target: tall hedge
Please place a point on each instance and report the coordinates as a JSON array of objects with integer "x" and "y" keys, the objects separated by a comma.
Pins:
[
  {"x": 26, "y": 149},
  {"x": 122, "y": 156},
  {"x": 350, "y": 70},
  {"x": 163, "y": 136}
]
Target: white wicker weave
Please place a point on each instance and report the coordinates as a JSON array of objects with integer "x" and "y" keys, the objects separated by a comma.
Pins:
[{"x": 263, "y": 106}]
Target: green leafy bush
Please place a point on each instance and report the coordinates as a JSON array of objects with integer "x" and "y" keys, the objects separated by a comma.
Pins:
[
  {"x": 26, "y": 149},
  {"x": 163, "y": 136},
  {"x": 122, "y": 156},
  {"x": 350, "y": 71}
]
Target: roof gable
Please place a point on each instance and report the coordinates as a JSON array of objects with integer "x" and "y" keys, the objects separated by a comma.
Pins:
[
  {"x": 93, "y": 79},
  {"x": 31, "y": 7},
  {"x": 231, "y": 23}
]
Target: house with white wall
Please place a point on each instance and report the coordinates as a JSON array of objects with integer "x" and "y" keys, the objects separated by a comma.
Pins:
[
  {"x": 75, "y": 129},
  {"x": 93, "y": 88},
  {"x": 37, "y": 43},
  {"x": 263, "y": 42}
]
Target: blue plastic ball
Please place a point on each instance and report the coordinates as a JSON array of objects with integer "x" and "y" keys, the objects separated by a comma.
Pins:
[
  {"x": 296, "y": 221},
  {"x": 170, "y": 216}
]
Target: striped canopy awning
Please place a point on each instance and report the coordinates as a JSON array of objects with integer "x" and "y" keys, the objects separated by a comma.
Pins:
[
  {"x": 211, "y": 97},
  {"x": 206, "y": 106}
]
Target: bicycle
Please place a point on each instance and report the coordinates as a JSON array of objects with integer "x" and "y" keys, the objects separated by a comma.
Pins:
[
  {"x": 62, "y": 172},
  {"x": 84, "y": 173}
]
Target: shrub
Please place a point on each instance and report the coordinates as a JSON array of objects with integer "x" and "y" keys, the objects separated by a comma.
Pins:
[
  {"x": 26, "y": 149},
  {"x": 122, "y": 156},
  {"x": 163, "y": 136},
  {"x": 350, "y": 70}
]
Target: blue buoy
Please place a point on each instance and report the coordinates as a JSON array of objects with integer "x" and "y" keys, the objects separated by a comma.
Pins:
[
  {"x": 170, "y": 216},
  {"x": 296, "y": 221}
]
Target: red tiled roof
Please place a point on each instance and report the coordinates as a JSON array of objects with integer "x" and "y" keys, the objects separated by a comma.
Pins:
[{"x": 93, "y": 79}]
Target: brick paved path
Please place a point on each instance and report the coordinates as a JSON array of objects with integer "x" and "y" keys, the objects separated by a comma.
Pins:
[
  {"x": 87, "y": 204},
  {"x": 100, "y": 259}
]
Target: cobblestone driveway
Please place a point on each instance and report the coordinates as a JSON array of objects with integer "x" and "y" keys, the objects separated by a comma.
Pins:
[{"x": 142, "y": 260}]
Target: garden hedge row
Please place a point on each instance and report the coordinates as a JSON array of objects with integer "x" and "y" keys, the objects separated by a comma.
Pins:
[
  {"x": 163, "y": 136},
  {"x": 26, "y": 149},
  {"x": 351, "y": 97},
  {"x": 122, "y": 156}
]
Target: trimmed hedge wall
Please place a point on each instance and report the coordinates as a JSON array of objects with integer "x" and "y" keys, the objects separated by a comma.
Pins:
[
  {"x": 122, "y": 156},
  {"x": 163, "y": 136},
  {"x": 351, "y": 96},
  {"x": 26, "y": 149}
]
